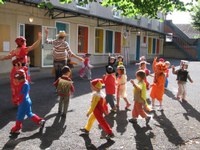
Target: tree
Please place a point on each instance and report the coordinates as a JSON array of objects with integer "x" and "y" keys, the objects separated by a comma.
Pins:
[
  {"x": 196, "y": 16},
  {"x": 132, "y": 8}
]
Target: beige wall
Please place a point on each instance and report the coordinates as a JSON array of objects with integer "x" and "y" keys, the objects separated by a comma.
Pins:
[{"x": 13, "y": 14}]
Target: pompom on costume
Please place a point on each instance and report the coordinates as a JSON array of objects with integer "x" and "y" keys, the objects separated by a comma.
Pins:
[
  {"x": 158, "y": 86},
  {"x": 25, "y": 103},
  {"x": 98, "y": 108}
]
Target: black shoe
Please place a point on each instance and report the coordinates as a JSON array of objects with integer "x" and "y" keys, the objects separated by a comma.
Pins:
[
  {"x": 59, "y": 112},
  {"x": 148, "y": 119},
  {"x": 132, "y": 120},
  {"x": 84, "y": 131},
  {"x": 42, "y": 123},
  {"x": 110, "y": 136}
]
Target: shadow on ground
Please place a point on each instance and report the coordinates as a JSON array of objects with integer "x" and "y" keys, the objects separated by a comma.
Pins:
[
  {"x": 169, "y": 129},
  {"x": 51, "y": 133}
]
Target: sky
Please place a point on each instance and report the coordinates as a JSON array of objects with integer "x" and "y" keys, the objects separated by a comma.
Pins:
[{"x": 180, "y": 17}]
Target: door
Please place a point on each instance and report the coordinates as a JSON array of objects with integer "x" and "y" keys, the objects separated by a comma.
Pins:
[
  {"x": 138, "y": 48},
  {"x": 47, "y": 56},
  {"x": 154, "y": 46}
]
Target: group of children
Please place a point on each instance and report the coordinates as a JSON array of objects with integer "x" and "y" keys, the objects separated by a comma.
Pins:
[{"x": 115, "y": 81}]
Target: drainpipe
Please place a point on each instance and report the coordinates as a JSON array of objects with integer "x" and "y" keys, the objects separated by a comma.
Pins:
[{"x": 198, "y": 48}]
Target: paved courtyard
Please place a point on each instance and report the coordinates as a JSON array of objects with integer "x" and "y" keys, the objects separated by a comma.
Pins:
[{"x": 177, "y": 127}]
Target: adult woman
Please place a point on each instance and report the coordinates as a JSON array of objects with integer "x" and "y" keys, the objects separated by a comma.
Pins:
[
  {"x": 19, "y": 61},
  {"x": 61, "y": 52}
]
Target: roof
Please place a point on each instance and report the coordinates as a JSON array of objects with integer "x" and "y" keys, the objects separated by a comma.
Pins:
[
  {"x": 62, "y": 10},
  {"x": 189, "y": 30}
]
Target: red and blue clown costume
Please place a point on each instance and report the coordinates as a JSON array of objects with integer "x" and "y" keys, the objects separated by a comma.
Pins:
[{"x": 25, "y": 103}]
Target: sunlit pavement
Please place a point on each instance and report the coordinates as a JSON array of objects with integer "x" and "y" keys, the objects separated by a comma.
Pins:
[{"x": 177, "y": 127}]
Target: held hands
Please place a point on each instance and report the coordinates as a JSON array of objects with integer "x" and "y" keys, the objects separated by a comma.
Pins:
[
  {"x": 173, "y": 67},
  {"x": 132, "y": 81}
]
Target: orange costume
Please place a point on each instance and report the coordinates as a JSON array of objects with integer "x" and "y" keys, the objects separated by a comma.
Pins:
[{"x": 158, "y": 86}]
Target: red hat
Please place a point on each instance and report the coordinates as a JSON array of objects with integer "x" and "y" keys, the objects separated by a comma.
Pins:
[
  {"x": 162, "y": 60},
  {"x": 20, "y": 41},
  {"x": 20, "y": 74},
  {"x": 97, "y": 83}
]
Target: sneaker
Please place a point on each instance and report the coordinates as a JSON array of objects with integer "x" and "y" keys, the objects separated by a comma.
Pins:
[
  {"x": 110, "y": 136},
  {"x": 147, "y": 119},
  {"x": 42, "y": 123},
  {"x": 113, "y": 111},
  {"x": 84, "y": 131},
  {"x": 127, "y": 106},
  {"x": 160, "y": 108},
  {"x": 132, "y": 120},
  {"x": 153, "y": 107}
]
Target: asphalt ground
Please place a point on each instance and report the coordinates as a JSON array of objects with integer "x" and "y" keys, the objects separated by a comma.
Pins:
[{"x": 175, "y": 128}]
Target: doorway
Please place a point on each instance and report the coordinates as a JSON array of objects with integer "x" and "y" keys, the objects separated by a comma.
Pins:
[
  {"x": 31, "y": 33},
  {"x": 138, "y": 48}
]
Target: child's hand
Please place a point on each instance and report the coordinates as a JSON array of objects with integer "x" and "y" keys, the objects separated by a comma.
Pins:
[{"x": 132, "y": 81}]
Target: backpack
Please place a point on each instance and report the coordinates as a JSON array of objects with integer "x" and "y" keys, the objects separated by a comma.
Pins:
[{"x": 64, "y": 87}]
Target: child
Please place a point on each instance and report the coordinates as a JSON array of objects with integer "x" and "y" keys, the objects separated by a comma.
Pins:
[
  {"x": 121, "y": 86},
  {"x": 120, "y": 60},
  {"x": 24, "y": 107},
  {"x": 139, "y": 98},
  {"x": 111, "y": 62},
  {"x": 97, "y": 109},
  {"x": 158, "y": 86},
  {"x": 167, "y": 63},
  {"x": 64, "y": 87},
  {"x": 143, "y": 66},
  {"x": 182, "y": 77},
  {"x": 86, "y": 68},
  {"x": 110, "y": 85}
]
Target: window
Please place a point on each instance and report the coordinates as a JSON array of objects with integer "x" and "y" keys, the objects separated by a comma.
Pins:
[
  {"x": 144, "y": 40},
  {"x": 116, "y": 13},
  {"x": 80, "y": 4},
  {"x": 169, "y": 37},
  {"x": 149, "y": 45},
  {"x": 109, "y": 42},
  {"x": 158, "y": 46},
  {"x": 22, "y": 30},
  {"x": 82, "y": 39},
  {"x": 60, "y": 26},
  {"x": 154, "y": 46},
  {"x": 117, "y": 42},
  {"x": 99, "y": 36}
]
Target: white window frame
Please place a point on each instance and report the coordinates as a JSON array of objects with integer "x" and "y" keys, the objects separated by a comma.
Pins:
[
  {"x": 113, "y": 41},
  {"x": 67, "y": 23},
  {"x": 84, "y": 7},
  {"x": 103, "y": 41},
  {"x": 42, "y": 60},
  {"x": 18, "y": 29},
  {"x": 88, "y": 37}
]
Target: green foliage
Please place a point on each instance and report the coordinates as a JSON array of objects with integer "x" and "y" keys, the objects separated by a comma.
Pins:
[
  {"x": 2, "y": 1},
  {"x": 196, "y": 16},
  {"x": 132, "y": 8}
]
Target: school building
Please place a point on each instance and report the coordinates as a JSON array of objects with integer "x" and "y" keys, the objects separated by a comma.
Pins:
[{"x": 90, "y": 29}]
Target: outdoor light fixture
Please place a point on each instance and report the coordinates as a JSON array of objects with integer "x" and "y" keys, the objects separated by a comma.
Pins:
[{"x": 30, "y": 19}]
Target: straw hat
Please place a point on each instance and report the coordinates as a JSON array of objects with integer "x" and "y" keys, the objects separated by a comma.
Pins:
[{"x": 61, "y": 34}]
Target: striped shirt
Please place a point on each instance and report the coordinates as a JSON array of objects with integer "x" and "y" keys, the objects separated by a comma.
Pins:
[{"x": 61, "y": 49}]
